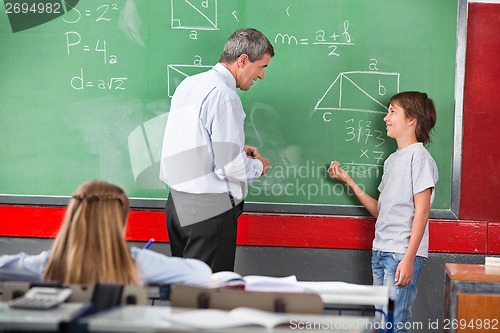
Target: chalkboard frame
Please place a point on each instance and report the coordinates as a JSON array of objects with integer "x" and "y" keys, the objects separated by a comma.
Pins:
[{"x": 254, "y": 207}]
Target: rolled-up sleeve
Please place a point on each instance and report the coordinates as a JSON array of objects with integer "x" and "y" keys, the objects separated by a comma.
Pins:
[
  {"x": 23, "y": 267},
  {"x": 228, "y": 139}
]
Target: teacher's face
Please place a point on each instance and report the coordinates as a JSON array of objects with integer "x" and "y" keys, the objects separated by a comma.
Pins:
[{"x": 249, "y": 71}]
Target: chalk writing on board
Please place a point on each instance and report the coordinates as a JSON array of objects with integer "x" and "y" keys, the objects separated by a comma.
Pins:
[
  {"x": 235, "y": 15},
  {"x": 101, "y": 13},
  {"x": 177, "y": 73},
  {"x": 76, "y": 42},
  {"x": 73, "y": 39},
  {"x": 360, "y": 93},
  {"x": 199, "y": 15},
  {"x": 322, "y": 37},
  {"x": 361, "y": 132},
  {"x": 115, "y": 83},
  {"x": 371, "y": 87},
  {"x": 363, "y": 170}
]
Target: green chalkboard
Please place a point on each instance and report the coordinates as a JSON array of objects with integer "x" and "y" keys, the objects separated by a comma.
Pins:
[{"x": 86, "y": 94}]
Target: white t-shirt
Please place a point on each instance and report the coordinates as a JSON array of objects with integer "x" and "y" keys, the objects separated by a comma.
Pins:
[{"x": 407, "y": 172}]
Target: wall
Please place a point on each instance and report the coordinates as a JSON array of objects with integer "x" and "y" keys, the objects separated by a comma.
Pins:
[{"x": 325, "y": 247}]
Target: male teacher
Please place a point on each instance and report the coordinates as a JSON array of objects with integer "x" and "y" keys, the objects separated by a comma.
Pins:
[{"x": 204, "y": 159}]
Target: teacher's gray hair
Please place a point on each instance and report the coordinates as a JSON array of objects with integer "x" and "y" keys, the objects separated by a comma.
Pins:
[{"x": 247, "y": 41}]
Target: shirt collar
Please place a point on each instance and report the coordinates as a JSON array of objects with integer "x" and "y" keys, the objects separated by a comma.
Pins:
[{"x": 226, "y": 74}]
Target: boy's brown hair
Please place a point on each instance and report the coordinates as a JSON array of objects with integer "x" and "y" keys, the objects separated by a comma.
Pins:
[{"x": 419, "y": 106}]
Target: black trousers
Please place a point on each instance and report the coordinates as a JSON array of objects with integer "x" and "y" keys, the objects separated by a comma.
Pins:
[{"x": 212, "y": 240}]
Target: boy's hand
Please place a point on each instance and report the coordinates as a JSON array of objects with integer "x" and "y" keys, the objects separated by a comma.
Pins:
[
  {"x": 404, "y": 273},
  {"x": 336, "y": 172}
]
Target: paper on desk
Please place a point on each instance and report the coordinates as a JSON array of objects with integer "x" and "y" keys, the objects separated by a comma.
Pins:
[
  {"x": 211, "y": 319},
  {"x": 261, "y": 283},
  {"x": 337, "y": 287},
  {"x": 272, "y": 284}
]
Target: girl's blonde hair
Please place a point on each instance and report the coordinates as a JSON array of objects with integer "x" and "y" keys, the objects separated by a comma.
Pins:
[{"x": 90, "y": 246}]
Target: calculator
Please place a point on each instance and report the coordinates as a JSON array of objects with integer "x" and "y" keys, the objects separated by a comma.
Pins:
[{"x": 41, "y": 298}]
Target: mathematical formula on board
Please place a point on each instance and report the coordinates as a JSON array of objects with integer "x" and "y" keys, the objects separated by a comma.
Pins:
[
  {"x": 352, "y": 93},
  {"x": 356, "y": 93},
  {"x": 354, "y": 104},
  {"x": 321, "y": 37},
  {"x": 98, "y": 50},
  {"x": 77, "y": 41}
]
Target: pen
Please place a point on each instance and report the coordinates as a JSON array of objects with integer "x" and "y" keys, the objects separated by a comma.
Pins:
[{"x": 149, "y": 243}]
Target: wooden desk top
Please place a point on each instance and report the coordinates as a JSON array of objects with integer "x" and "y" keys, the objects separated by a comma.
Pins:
[{"x": 470, "y": 272}]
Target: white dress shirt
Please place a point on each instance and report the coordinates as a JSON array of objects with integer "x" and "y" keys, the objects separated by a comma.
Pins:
[{"x": 204, "y": 137}]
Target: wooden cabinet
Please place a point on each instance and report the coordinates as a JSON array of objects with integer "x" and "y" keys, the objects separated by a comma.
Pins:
[{"x": 472, "y": 298}]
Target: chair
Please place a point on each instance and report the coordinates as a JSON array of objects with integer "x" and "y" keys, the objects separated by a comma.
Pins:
[
  {"x": 14, "y": 289},
  {"x": 103, "y": 295},
  {"x": 81, "y": 293},
  {"x": 227, "y": 299}
]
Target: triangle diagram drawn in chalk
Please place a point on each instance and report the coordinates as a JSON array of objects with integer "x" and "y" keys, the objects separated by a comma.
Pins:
[
  {"x": 198, "y": 15},
  {"x": 360, "y": 92}
]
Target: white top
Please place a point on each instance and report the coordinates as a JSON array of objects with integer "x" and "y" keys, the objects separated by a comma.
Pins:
[
  {"x": 153, "y": 268},
  {"x": 407, "y": 172},
  {"x": 204, "y": 137}
]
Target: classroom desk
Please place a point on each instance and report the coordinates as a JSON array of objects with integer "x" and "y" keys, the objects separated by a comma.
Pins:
[
  {"x": 338, "y": 298},
  {"x": 51, "y": 320},
  {"x": 333, "y": 294},
  {"x": 472, "y": 298},
  {"x": 140, "y": 318}
]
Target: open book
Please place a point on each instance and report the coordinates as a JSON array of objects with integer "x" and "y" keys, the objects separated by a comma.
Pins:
[
  {"x": 214, "y": 319},
  {"x": 227, "y": 279}
]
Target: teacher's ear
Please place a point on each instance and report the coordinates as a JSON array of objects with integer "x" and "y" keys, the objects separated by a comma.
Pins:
[{"x": 242, "y": 60}]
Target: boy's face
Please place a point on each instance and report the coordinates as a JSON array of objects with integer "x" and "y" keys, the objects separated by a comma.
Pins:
[{"x": 399, "y": 126}]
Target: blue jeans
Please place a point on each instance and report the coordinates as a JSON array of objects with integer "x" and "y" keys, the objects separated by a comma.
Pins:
[{"x": 384, "y": 265}]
